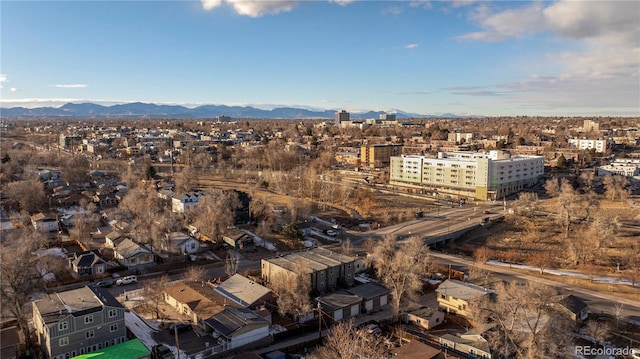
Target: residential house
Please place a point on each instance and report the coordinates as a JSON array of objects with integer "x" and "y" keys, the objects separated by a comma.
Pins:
[
  {"x": 238, "y": 239},
  {"x": 113, "y": 238},
  {"x": 44, "y": 223},
  {"x": 197, "y": 300},
  {"x": 339, "y": 305},
  {"x": 177, "y": 242},
  {"x": 88, "y": 263},
  {"x": 324, "y": 269},
  {"x": 235, "y": 327},
  {"x": 424, "y": 317},
  {"x": 373, "y": 296},
  {"x": 245, "y": 292},
  {"x": 132, "y": 255},
  {"x": 414, "y": 349},
  {"x": 105, "y": 199},
  {"x": 78, "y": 321},
  {"x": 573, "y": 306},
  {"x": 473, "y": 345},
  {"x": 454, "y": 296},
  {"x": 181, "y": 203}
]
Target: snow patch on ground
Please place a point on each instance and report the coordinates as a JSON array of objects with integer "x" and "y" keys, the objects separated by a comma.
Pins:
[{"x": 609, "y": 280}]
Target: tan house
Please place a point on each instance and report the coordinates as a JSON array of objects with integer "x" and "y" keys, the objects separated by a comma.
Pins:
[
  {"x": 424, "y": 317},
  {"x": 454, "y": 296},
  {"x": 132, "y": 255},
  {"x": 198, "y": 300}
]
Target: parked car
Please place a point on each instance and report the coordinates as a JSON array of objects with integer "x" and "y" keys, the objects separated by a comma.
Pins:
[
  {"x": 161, "y": 351},
  {"x": 179, "y": 327},
  {"x": 127, "y": 280},
  {"x": 105, "y": 283}
]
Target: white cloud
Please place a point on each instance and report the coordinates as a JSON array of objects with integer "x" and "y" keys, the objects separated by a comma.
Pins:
[
  {"x": 412, "y": 46},
  {"x": 210, "y": 4},
  {"x": 506, "y": 24},
  {"x": 342, "y": 2},
  {"x": 425, "y": 4},
  {"x": 252, "y": 8},
  {"x": 604, "y": 70},
  {"x": 3, "y": 77},
  {"x": 13, "y": 89},
  {"x": 70, "y": 86}
]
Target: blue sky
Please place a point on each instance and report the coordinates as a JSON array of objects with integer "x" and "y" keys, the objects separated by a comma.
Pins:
[{"x": 428, "y": 57}]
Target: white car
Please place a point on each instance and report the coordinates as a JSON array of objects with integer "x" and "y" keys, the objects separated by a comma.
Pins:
[{"x": 127, "y": 280}]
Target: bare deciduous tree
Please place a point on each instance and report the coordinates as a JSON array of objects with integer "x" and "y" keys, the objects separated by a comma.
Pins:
[
  {"x": 28, "y": 194},
  {"x": 154, "y": 292},
  {"x": 194, "y": 274},
  {"x": 615, "y": 187},
  {"x": 400, "y": 267},
  {"x": 19, "y": 278},
  {"x": 215, "y": 213},
  {"x": 292, "y": 288},
  {"x": 344, "y": 341},
  {"x": 522, "y": 315}
]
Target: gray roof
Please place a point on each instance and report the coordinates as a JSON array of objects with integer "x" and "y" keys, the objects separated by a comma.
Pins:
[
  {"x": 316, "y": 259},
  {"x": 572, "y": 303},
  {"x": 462, "y": 290},
  {"x": 368, "y": 291},
  {"x": 236, "y": 321},
  {"x": 478, "y": 344},
  {"x": 242, "y": 290},
  {"x": 74, "y": 302},
  {"x": 127, "y": 248},
  {"x": 337, "y": 300},
  {"x": 87, "y": 259}
]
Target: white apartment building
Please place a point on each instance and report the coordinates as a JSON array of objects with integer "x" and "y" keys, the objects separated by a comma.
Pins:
[
  {"x": 587, "y": 144},
  {"x": 621, "y": 166},
  {"x": 483, "y": 176}
]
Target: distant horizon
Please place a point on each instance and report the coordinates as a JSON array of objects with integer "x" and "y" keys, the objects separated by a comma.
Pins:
[
  {"x": 272, "y": 107},
  {"x": 465, "y": 57}
]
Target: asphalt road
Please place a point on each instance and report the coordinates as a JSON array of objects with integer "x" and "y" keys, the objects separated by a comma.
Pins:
[{"x": 598, "y": 302}]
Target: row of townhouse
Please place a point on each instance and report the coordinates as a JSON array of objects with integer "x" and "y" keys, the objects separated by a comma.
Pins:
[{"x": 324, "y": 269}]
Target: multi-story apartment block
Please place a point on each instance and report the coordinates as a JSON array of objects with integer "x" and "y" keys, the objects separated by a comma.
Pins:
[
  {"x": 342, "y": 116},
  {"x": 459, "y": 137},
  {"x": 587, "y": 144},
  {"x": 627, "y": 167},
  {"x": 378, "y": 155},
  {"x": 78, "y": 321},
  {"x": 483, "y": 176},
  {"x": 325, "y": 270},
  {"x": 589, "y": 126}
]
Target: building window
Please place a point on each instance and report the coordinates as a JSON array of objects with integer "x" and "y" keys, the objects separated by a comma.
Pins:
[
  {"x": 113, "y": 313},
  {"x": 63, "y": 341},
  {"x": 88, "y": 319},
  {"x": 89, "y": 334},
  {"x": 113, "y": 327}
]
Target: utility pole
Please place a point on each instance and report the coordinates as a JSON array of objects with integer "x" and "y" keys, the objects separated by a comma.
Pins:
[{"x": 175, "y": 333}]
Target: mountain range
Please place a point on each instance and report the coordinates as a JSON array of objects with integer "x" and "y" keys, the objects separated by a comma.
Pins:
[{"x": 150, "y": 110}]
